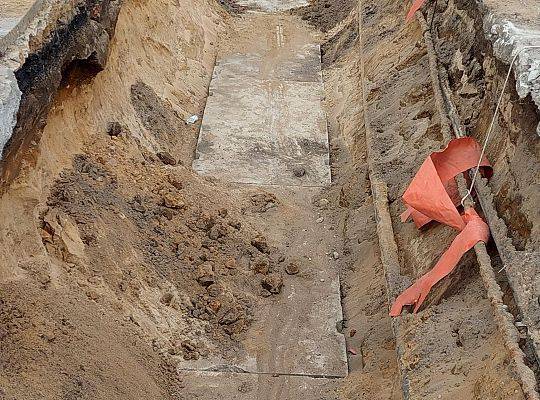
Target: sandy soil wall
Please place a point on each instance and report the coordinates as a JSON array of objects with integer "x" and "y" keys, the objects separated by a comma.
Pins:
[{"x": 64, "y": 331}]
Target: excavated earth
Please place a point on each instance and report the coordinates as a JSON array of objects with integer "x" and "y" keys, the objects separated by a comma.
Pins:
[{"x": 131, "y": 272}]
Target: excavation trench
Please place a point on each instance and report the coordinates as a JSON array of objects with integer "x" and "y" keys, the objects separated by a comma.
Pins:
[{"x": 191, "y": 206}]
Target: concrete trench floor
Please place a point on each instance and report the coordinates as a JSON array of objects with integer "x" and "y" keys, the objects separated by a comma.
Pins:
[{"x": 264, "y": 126}]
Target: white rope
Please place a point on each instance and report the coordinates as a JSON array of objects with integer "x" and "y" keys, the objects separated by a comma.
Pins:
[{"x": 493, "y": 121}]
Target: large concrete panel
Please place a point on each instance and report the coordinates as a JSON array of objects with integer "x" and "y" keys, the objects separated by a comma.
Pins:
[{"x": 264, "y": 121}]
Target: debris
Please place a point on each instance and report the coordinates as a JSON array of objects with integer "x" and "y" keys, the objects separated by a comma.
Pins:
[
  {"x": 299, "y": 171},
  {"x": 352, "y": 351},
  {"x": 352, "y": 332},
  {"x": 191, "y": 120}
]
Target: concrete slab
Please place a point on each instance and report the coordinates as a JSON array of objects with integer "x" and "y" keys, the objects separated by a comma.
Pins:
[
  {"x": 273, "y": 5},
  {"x": 7, "y": 24},
  {"x": 264, "y": 118},
  {"x": 238, "y": 386}
]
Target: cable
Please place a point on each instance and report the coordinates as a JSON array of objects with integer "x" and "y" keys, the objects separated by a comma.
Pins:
[{"x": 493, "y": 120}]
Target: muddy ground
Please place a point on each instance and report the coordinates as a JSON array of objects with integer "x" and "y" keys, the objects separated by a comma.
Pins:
[{"x": 119, "y": 261}]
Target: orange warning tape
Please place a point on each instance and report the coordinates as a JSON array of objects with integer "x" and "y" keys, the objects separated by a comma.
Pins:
[
  {"x": 417, "y": 4},
  {"x": 433, "y": 196}
]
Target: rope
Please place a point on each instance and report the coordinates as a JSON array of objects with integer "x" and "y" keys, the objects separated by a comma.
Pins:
[{"x": 490, "y": 130}]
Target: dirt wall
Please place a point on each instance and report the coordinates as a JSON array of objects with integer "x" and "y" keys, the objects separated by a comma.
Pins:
[
  {"x": 476, "y": 78},
  {"x": 81, "y": 323}
]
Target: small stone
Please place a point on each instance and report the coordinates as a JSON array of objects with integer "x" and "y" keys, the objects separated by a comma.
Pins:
[
  {"x": 323, "y": 203},
  {"x": 173, "y": 200},
  {"x": 259, "y": 242},
  {"x": 352, "y": 332},
  {"x": 114, "y": 129},
  {"x": 335, "y": 255},
  {"x": 166, "y": 158},
  {"x": 292, "y": 268},
  {"x": 273, "y": 283},
  {"x": 299, "y": 171},
  {"x": 319, "y": 220},
  {"x": 214, "y": 305},
  {"x": 217, "y": 231},
  {"x": 230, "y": 263},
  {"x": 260, "y": 265},
  {"x": 205, "y": 274},
  {"x": 167, "y": 213},
  {"x": 231, "y": 315}
]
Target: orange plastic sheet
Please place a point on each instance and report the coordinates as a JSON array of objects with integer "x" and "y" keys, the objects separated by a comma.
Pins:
[
  {"x": 417, "y": 4},
  {"x": 433, "y": 195}
]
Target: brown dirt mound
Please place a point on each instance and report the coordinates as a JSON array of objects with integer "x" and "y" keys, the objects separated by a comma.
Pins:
[{"x": 326, "y": 14}]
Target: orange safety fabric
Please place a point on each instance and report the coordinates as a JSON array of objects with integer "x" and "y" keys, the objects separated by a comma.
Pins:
[{"x": 433, "y": 195}]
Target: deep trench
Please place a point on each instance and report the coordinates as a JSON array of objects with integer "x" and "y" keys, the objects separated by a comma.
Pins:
[{"x": 128, "y": 274}]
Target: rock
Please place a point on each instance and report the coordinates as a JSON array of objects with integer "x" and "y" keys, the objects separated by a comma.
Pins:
[
  {"x": 173, "y": 200},
  {"x": 205, "y": 274},
  {"x": 214, "y": 305},
  {"x": 188, "y": 345},
  {"x": 292, "y": 268},
  {"x": 273, "y": 283},
  {"x": 320, "y": 220},
  {"x": 265, "y": 293},
  {"x": 235, "y": 328},
  {"x": 223, "y": 212},
  {"x": 217, "y": 231},
  {"x": 259, "y": 242},
  {"x": 299, "y": 171},
  {"x": 205, "y": 221},
  {"x": 260, "y": 265},
  {"x": 166, "y": 158},
  {"x": 323, "y": 203},
  {"x": 114, "y": 129},
  {"x": 230, "y": 263},
  {"x": 335, "y": 255},
  {"x": 230, "y": 316}
]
